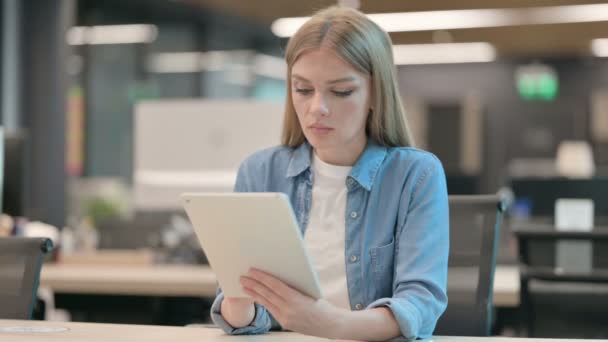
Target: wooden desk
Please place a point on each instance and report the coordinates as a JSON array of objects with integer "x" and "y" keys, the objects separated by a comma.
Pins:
[
  {"x": 96, "y": 332},
  {"x": 155, "y": 280},
  {"x": 194, "y": 281}
]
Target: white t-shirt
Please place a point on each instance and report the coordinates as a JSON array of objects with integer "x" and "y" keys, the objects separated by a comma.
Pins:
[{"x": 325, "y": 233}]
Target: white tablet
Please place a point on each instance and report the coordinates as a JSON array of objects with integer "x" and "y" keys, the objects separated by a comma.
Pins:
[{"x": 238, "y": 231}]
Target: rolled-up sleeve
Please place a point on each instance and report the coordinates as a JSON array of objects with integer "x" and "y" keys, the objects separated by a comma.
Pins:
[
  {"x": 261, "y": 322},
  {"x": 421, "y": 256}
]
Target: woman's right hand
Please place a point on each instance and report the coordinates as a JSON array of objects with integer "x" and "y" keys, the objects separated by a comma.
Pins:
[{"x": 238, "y": 312}]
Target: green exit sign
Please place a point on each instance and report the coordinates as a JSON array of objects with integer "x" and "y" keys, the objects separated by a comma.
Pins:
[{"x": 537, "y": 82}]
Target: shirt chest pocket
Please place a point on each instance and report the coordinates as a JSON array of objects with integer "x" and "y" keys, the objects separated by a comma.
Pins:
[{"x": 382, "y": 263}]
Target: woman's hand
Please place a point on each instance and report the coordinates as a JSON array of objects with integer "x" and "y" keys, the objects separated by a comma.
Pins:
[{"x": 292, "y": 309}]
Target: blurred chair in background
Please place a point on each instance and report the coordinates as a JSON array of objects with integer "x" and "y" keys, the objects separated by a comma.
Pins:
[
  {"x": 167, "y": 233},
  {"x": 20, "y": 263},
  {"x": 474, "y": 234}
]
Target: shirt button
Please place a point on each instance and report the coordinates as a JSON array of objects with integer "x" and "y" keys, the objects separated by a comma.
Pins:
[
  {"x": 349, "y": 182},
  {"x": 353, "y": 258},
  {"x": 359, "y": 306},
  {"x": 354, "y": 214}
]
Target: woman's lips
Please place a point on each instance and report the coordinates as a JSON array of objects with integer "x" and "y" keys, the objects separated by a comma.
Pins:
[{"x": 320, "y": 129}]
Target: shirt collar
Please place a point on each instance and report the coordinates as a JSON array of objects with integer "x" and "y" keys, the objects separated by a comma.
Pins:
[
  {"x": 364, "y": 171},
  {"x": 366, "y": 168},
  {"x": 300, "y": 160}
]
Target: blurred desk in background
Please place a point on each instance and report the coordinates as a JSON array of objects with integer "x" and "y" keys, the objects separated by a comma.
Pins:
[
  {"x": 145, "y": 280},
  {"x": 191, "y": 281},
  {"x": 155, "y": 294}
]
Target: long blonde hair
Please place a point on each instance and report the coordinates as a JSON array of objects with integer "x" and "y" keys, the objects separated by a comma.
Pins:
[{"x": 366, "y": 47}]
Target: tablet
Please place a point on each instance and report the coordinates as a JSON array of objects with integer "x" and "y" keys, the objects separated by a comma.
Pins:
[{"x": 238, "y": 231}]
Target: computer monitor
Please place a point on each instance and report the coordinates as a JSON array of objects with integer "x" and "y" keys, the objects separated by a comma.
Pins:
[
  {"x": 540, "y": 194},
  {"x": 195, "y": 145}
]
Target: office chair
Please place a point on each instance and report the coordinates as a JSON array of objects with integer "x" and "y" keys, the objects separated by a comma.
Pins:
[
  {"x": 557, "y": 302},
  {"x": 474, "y": 234},
  {"x": 20, "y": 263}
]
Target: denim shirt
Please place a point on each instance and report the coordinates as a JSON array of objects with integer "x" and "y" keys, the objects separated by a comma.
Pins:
[{"x": 397, "y": 229}]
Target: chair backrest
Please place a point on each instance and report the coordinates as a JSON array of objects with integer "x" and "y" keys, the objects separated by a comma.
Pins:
[
  {"x": 20, "y": 263},
  {"x": 474, "y": 234}
]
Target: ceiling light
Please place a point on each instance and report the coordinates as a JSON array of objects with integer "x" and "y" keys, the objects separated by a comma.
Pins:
[
  {"x": 112, "y": 34},
  {"x": 461, "y": 19},
  {"x": 443, "y": 53},
  {"x": 236, "y": 61},
  {"x": 174, "y": 62}
]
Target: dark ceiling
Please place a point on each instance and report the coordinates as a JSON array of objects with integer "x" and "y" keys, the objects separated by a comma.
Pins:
[{"x": 515, "y": 41}]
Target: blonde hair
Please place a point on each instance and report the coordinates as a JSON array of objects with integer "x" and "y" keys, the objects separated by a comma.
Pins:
[{"x": 366, "y": 47}]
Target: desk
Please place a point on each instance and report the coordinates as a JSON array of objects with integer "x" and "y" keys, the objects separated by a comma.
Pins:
[
  {"x": 96, "y": 332},
  {"x": 154, "y": 280},
  {"x": 194, "y": 281}
]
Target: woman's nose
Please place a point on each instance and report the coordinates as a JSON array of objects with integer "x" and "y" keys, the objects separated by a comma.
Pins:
[{"x": 319, "y": 105}]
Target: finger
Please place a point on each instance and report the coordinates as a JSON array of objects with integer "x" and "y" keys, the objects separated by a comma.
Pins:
[
  {"x": 280, "y": 288},
  {"x": 268, "y": 293},
  {"x": 258, "y": 298}
]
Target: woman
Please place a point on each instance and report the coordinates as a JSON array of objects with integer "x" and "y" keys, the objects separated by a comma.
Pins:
[{"x": 373, "y": 211}]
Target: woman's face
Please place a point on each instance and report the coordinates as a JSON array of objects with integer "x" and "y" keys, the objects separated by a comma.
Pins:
[{"x": 332, "y": 100}]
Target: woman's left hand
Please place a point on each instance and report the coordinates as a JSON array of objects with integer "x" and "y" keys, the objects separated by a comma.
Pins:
[{"x": 294, "y": 310}]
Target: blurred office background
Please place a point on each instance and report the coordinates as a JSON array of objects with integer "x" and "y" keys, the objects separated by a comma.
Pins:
[{"x": 111, "y": 108}]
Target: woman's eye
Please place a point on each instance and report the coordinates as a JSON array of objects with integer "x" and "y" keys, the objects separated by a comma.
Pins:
[
  {"x": 303, "y": 91},
  {"x": 342, "y": 93}
]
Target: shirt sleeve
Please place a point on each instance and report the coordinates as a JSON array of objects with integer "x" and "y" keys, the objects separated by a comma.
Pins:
[
  {"x": 421, "y": 257},
  {"x": 261, "y": 322}
]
